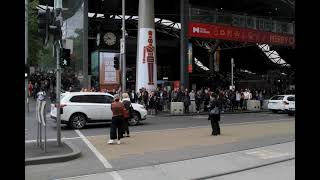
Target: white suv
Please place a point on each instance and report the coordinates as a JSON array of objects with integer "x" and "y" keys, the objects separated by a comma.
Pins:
[
  {"x": 281, "y": 103},
  {"x": 79, "y": 108}
]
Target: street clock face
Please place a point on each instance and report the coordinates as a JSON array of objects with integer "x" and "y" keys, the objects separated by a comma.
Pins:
[{"x": 110, "y": 38}]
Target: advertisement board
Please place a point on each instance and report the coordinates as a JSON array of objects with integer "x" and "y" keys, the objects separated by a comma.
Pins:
[
  {"x": 108, "y": 74},
  {"x": 227, "y": 32}
]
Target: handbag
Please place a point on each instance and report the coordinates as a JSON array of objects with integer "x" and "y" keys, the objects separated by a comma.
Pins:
[
  {"x": 125, "y": 113},
  {"x": 214, "y": 111}
]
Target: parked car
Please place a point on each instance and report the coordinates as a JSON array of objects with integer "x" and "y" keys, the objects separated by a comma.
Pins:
[
  {"x": 291, "y": 107},
  {"x": 80, "y": 108},
  {"x": 280, "y": 103}
]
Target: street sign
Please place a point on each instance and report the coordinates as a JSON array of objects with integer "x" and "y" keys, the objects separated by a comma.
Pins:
[{"x": 121, "y": 46}]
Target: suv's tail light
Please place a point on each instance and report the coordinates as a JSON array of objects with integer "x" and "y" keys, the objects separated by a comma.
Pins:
[{"x": 285, "y": 102}]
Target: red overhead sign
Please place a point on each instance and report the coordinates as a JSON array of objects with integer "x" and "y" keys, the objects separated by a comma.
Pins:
[{"x": 225, "y": 32}]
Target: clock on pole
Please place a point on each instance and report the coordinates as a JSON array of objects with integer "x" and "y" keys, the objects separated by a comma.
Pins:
[{"x": 110, "y": 38}]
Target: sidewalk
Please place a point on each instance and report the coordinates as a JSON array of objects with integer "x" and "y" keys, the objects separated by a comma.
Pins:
[
  {"x": 160, "y": 142},
  {"x": 36, "y": 155},
  {"x": 206, "y": 167}
]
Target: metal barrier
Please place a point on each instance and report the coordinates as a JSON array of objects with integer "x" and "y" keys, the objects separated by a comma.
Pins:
[{"x": 41, "y": 121}]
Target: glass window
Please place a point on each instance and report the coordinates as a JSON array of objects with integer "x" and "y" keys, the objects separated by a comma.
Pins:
[
  {"x": 291, "y": 98},
  {"x": 109, "y": 99},
  {"x": 277, "y": 98},
  {"x": 80, "y": 99}
]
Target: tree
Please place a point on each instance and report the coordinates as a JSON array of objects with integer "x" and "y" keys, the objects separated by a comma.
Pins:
[{"x": 38, "y": 54}]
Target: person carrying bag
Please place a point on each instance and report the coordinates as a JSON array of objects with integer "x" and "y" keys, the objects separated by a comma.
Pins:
[
  {"x": 126, "y": 113},
  {"x": 214, "y": 115},
  {"x": 118, "y": 110}
]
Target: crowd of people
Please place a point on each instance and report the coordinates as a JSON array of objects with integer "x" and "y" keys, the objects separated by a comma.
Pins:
[
  {"x": 159, "y": 100},
  {"x": 40, "y": 81}
]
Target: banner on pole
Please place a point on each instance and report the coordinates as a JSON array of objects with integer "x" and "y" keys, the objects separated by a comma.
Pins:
[{"x": 190, "y": 57}]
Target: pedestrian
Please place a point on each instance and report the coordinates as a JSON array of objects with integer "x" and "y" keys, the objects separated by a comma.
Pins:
[
  {"x": 214, "y": 115},
  {"x": 127, "y": 104},
  {"x": 192, "y": 100},
  {"x": 133, "y": 96},
  {"x": 30, "y": 86},
  {"x": 117, "y": 109},
  {"x": 152, "y": 103},
  {"x": 241, "y": 100},
  {"x": 238, "y": 96},
  {"x": 186, "y": 101},
  {"x": 198, "y": 99}
]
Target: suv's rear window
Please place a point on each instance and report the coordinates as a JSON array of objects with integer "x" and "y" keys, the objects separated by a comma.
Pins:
[
  {"x": 291, "y": 98},
  {"x": 277, "y": 98}
]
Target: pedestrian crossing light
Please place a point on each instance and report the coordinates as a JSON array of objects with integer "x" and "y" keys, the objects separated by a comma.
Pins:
[
  {"x": 116, "y": 63},
  {"x": 65, "y": 58}
]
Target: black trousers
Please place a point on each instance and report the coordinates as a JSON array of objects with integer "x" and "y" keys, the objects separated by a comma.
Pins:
[
  {"x": 125, "y": 126},
  {"x": 215, "y": 126},
  {"x": 116, "y": 131}
]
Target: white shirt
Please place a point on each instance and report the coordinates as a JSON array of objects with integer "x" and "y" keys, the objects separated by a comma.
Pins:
[
  {"x": 238, "y": 96},
  {"x": 191, "y": 94},
  {"x": 41, "y": 95}
]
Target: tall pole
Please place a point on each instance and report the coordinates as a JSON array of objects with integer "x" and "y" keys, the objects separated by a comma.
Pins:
[
  {"x": 26, "y": 51},
  {"x": 232, "y": 72},
  {"x": 123, "y": 61},
  {"x": 182, "y": 45},
  {"x": 58, "y": 47}
]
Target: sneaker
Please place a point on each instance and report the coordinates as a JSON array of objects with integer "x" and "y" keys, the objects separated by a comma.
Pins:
[
  {"x": 110, "y": 141},
  {"x": 119, "y": 142}
]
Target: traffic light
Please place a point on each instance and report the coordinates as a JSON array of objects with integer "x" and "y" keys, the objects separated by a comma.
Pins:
[
  {"x": 65, "y": 58},
  {"x": 116, "y": 63},
  {"x": 43, "y": 24}
]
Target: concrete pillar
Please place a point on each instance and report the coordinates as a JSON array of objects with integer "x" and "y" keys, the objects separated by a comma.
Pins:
[
  {"x": 146, "y": 71},
  {"x": 184, "y": 76}
]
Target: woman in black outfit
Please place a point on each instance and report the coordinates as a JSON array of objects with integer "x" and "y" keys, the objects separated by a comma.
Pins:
[{"x": 214, "y": 114}]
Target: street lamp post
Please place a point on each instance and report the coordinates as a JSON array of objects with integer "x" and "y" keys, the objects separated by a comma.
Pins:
[
  {"x": 123, "y": 50},
  {"x": 232, "y": 65}
]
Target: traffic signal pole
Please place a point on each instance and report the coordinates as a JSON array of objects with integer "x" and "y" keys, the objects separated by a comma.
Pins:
[
  {"x": 58, "y": 47},
  {"x": 123, "y": 53}
]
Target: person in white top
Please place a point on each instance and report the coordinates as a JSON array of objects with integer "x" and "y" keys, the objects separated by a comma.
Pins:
[
  {"x": 246, "y": 97},
  {"x": 192, "y": 95},
  {"x": 238, "y": 95}
]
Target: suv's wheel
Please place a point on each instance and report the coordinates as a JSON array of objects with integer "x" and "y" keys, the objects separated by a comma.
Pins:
[
  {"x": 135, "y": 119},
  {"x": 274, "y": 111},
  {"x": 78, "y": 121}
]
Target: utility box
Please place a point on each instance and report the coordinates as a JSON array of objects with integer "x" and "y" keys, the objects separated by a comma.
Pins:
[{"x": 177, "y": 108}]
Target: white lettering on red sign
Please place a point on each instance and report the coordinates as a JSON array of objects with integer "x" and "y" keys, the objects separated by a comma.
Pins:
[{"x": 200, "y": 30}]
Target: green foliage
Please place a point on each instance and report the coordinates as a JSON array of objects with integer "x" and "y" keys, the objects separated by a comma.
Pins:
[{"x": 38, "y": 55}]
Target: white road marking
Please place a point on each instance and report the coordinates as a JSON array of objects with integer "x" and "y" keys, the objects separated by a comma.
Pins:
[
  {"x": 94, "y": 150},
  {"x": 267, "y": 154},
  {"x": 115, "y": 175}
]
